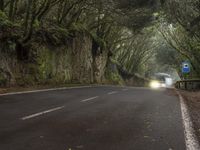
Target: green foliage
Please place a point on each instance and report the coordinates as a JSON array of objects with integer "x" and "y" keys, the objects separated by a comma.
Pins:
[
  {"x": 111, "y": 74},
  {"x": 77, "y": 27},
  {"x": 56, "y": 35},
  {"x": 165, "y": 55},
  {"x": 101, "y": 42},
  {"x": 3, "y": 15},
  {"x": 11, "y": 47},
  {"x": 63, "y": 31},
  {"x": 26, "y": 80},
  {"x": 183, "y": 32},
  {"x": 124, "y": 30},
  {"x": 4, "y": 21},
  {"x": 114, "y": 78},
  {"x": 113, "y": 61},
  {"x": 36, "y": 24},
  {"x": 3, "y": 80}
]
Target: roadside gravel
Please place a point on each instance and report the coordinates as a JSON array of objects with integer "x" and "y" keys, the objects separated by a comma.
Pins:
[{"x": 192, "y": 100}]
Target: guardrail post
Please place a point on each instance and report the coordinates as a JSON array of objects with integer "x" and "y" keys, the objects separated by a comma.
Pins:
[{"x": 188, "y": 84}]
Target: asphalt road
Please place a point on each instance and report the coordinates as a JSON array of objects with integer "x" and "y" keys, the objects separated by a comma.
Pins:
[{"x": 93, "y": 118}]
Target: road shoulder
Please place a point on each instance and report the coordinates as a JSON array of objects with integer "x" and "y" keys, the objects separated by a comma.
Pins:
[
  {"x": 34, "y": 89},
  {"x": 190, "y": 107}
]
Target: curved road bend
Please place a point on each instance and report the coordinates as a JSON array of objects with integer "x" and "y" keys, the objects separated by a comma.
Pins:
[{"x": 92, "y": 118}]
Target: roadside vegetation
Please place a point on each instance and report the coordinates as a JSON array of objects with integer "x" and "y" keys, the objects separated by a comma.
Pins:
[{"x": 96, "y": 41}]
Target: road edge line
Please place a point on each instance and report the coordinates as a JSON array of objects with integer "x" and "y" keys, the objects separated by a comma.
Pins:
[
  {"x": 190, "y": 136},
  {"x": 44, "y": 90}
]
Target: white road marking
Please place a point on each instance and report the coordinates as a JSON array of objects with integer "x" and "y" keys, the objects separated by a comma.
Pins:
[
  {"x": 113, "y": 92},
  {"x": 42, "y": 113},
  {"x": 44, "y": 90},
  {"x": 65, "y": 88},
  {"x": 89, "y": 99},
  {"x": 190, "y": 137}
]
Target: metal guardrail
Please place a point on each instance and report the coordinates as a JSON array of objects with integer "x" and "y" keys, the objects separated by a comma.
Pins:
[{"x": 191, "y": 85}]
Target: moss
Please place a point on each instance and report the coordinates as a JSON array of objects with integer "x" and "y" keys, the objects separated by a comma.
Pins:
[
  {"x": 47, "y": 68},
  {"x": 12, "y": 46},
  {"x": 77, "y": 27},
  {"x": 3, "y": 15},
  {"x": 36, "y": 24},
  {"x": 99, "y": 41},
  {"x": 55, "y": 36},
  {"x": 113, "y": 61},
  {"x": 52, "y": 64},
  {"x": 3, "y": 80},
  {"x": 112, "y": 75},
  {"x": 44, "y": 65},
  {"x": 114, "y": 78},
  {"x": 27, "y": 79},
  {"x": 63, "y": 31},
  {"x": 5, "y": 22}
]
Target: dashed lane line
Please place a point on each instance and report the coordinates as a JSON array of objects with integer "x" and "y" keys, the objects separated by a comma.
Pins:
[
  {"x": 42, "y": 113},
  {"x": 57, "y": 108},
  {"x": 113, "y": 92},
  {"x": 89, "y": 99},
  {"x": 52, "y": 110}
]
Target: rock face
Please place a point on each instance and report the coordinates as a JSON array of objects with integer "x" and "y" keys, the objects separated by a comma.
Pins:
[
  {"x": 72, "y": 62},
  {"x": 99, "y": 66},
  {"x": 82, "y": 60}
]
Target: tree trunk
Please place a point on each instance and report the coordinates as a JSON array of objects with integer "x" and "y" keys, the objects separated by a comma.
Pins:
[
  {"x": 15, "y": 9},
  {"x": 26, "y": 22},
  {"x": 11, "y": 10},
  {"x": 30, "y": 19},
  {"x": 1, "y": 5}
]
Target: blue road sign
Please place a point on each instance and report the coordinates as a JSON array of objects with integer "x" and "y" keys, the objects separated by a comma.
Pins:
[{"x": 185, "y": 67}]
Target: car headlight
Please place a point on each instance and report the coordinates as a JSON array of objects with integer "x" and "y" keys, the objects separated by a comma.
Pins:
[
  {"x": 163, "y": 85},
  {"x": 155, "y": 84}
]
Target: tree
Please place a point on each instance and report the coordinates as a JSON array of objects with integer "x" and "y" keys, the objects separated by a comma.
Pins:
[{"x": 182, "y": 33}]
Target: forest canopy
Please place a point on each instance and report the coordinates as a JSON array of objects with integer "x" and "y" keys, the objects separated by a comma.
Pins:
[{"x": 131, "y": 32}]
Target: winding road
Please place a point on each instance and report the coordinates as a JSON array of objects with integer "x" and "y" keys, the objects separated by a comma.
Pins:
[{"x": 92, "y": 118}]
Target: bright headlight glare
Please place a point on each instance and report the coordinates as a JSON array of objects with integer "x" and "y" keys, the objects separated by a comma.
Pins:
[
  {"x": 154, "y": 84},
  {"x": 163, "y": 85}
]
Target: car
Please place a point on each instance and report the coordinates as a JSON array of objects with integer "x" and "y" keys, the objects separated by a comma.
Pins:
[{"x": 161, "y": 80}]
